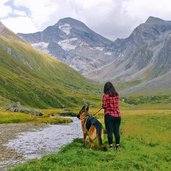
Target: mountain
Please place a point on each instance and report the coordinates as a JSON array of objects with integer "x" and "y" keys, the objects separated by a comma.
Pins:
[
  {"x": 143, "y": 60},
  {"x": 138, "y": 64},
  {"x": 38, "y": 80},
  {"x": 74, "y": 43}
]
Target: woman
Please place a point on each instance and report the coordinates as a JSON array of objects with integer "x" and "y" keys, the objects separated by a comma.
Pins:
[{"x": 112, "y": 117}]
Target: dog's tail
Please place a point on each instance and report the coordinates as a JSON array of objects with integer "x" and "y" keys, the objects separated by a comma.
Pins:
[{"x": 100, "y": 134}]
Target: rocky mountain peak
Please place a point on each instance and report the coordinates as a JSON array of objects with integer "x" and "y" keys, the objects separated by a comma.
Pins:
[
  {"x": 71, "y": 21},
  {"x": 154, "y": 20},
  {"x": 68, "y": 25},
  {"x": 157, "y": 24},
  {"x": 151, "y": 30}
]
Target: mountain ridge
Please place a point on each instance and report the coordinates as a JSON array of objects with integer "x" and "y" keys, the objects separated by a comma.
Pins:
[{"x": 141, "y": 57}]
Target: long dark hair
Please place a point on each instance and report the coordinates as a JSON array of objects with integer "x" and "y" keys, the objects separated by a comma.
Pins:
[{"x": 110, "y": 89}]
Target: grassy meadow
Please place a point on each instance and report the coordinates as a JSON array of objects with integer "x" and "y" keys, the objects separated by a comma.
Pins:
[
  {"x": 145, "y": 141},
  {"x": 17, "y": 117}
]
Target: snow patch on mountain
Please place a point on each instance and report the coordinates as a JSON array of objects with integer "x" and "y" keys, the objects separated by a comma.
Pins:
[
  {"x": 68, "y": 44},
  {"x": 65, "y": 28},
  {"x": 99, "y": 48},
  {"x": 108, "y": 53},
  {"x": 42, "y": 46},
  {"x": 71, "y": 44}
]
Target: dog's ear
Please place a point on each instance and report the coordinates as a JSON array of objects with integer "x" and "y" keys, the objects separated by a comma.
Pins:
[
  {"x": 83, "y": 108},
  {"x": 87, "y": 108}
]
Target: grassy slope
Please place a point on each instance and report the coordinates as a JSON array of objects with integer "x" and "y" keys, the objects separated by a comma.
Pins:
[
  {"x": 39, "y": 80},
  {"x": 145, "y": 139},
  {"x": 16, "y": 117}
]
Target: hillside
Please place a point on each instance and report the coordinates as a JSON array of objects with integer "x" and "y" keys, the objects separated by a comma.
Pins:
[{"x": 36, "y": 79}]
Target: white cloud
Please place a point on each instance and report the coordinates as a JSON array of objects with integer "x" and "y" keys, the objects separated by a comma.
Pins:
[
  {"x": 20, "y": 25},
  {"x": 41, "y": 10},
  {"x": 146, "y": 7},
  {"x": 19, "y": 13},
  {"x": 110, "y": 18},
  {"x": 136, "y": 12},
  {"x": 4, "y": 10}
]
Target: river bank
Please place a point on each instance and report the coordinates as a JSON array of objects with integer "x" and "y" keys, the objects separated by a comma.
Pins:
[
  {"x": 21, "y": 142},
  {"x": 9, "y": 156}
]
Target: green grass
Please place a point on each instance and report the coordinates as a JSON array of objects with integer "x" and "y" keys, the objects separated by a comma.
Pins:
[
  {"x": 4, "y": 102},
  {"x": 16, "y": 117},
  {"x": 153, "y": 102},
  {"x": 145, "y": 140},
  {"x": 6, "y": 117},
  {"x": 38, "y": 80}
]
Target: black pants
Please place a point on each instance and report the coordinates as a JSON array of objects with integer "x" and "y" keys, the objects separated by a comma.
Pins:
[{"x": 112, "y": 126}]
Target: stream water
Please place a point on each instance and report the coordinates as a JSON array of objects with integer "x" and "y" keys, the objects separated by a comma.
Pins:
[{"x": 42, "y": 141}]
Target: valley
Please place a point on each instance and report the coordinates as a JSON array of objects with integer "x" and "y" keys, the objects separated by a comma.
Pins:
[{"x": 68, "y": 70}]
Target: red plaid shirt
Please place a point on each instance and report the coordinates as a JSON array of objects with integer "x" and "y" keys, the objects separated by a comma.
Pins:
[{"x": 111, "y": 105}]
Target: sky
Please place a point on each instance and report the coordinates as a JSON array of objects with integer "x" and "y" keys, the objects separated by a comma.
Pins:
[{"x": 109, "y": 18}]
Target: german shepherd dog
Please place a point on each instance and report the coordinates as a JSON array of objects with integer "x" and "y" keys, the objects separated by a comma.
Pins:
[{"x": 91, "y": 127}]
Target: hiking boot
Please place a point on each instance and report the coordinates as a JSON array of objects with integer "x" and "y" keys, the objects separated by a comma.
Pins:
[
  {"x": 110, "y": 146},
  {"x": 117, "y": 147}
]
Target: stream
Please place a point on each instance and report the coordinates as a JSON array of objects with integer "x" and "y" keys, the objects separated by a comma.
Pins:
[{"x": 39, "y": 142}]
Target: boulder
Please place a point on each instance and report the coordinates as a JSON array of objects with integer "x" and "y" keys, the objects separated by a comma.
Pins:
[{"x": 17, "y": 107}]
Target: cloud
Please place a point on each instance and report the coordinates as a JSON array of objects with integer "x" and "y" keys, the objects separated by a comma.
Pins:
[
  {"x": 41, "y": 11},
  {"x": 20, "y": 24},
  {"x": 110, "y": 18},
  {"x": 19, "y": 13},
  {"x": 4, "y": 10}
]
